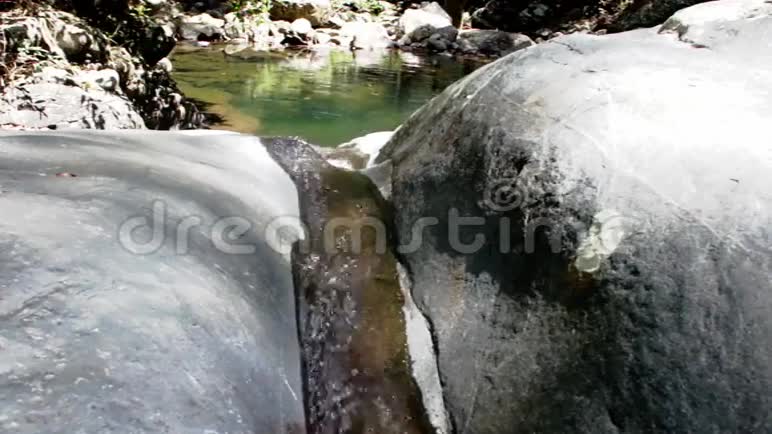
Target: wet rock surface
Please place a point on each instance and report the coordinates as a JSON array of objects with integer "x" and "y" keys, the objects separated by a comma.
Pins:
[
  {"x": 166, "y": 328},
  {"x": 357, "y": 368},
  {"x": 358, "y": 153},
  {"x": 624, "y": 281}
]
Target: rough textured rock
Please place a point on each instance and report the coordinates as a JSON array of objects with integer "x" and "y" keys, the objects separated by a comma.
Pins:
[
  {"x": 315, "y": 11},
  {"x": 534, "y": 17},
  {"x": 250, "y": 29},
  {"x": 235, "y": 27},
  {"x": 200, "y": 27},
  {"x": 366, "y": 36},
  {"x": 492, "y": 42},
  {"x": 24, "y": 32},
  {"x": 497, "y": 14},
  {"x": 430, "y": 16},
  {"x": 62, "y": 100},
  {"x": 103, "y": 334},
  {"x": 630, "y": 175},
  {"x": 76, "y": 42},
  {"x": 85, "y": 63},
  {"x": 428, "y": 27},
  {"x": 150, "y": 37},
  {"x": 649, "y": 13},
  {"x": 107, "y": 79}
]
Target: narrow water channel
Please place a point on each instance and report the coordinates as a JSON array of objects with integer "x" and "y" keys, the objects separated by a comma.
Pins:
[
  {"x": 357, "y": 372},
  {"x": 327, "y": 98}
]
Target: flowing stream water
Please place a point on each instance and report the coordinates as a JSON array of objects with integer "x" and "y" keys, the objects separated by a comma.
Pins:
[{"x": 326, "y": 98}]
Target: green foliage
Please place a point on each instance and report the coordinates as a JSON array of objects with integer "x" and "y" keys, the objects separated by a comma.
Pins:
[
  {"x": 373, "y": 7},
  {"x": 246, "y": 8},
  {"x": 138, "y": 10}
]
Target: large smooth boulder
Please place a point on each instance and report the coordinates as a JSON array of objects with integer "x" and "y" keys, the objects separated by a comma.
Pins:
[
  {"x": 317, "y": 12},
  {"x": 140, "y": 292},
  {"x": 621, "y": 186}
]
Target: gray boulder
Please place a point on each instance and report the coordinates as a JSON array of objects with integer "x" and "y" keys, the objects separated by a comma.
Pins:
[
  {"x": 301, "y": 27},
  {"x": 430, "y": 26},
  {"x": 492, "y": 42},
  {"x": 621, "y": 187},
  {"x": 61, "y": 34},
  {"x": 712, "y": 24},
  {"x": 75, "y": 41},
  {"x": 236, "y": 27},
  {"x": 504, "y": 15},
  {"x": 95, "y": 85},
  {"x": 200, "y": 27},
  {"x": 135, "y": 297},
  {"x": 57, "y": 99},
  {"x": 316, "y": 11},
  {"x": 366, "y": 36},
  {"x": 358, "y": 153},
  {"x": 447, "y": 33},
  {"x": 536, "y": 16},
  {"x": 22, "y": 32},
  {"x": 437, "y": 43},
  {"x": 430, "y": 14},
  {"x": 107, "y": 79},
  {"x": 649, "y": 13}
]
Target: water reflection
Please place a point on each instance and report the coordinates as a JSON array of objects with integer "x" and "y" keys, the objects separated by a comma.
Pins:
[{"x": 326, "y": 97}]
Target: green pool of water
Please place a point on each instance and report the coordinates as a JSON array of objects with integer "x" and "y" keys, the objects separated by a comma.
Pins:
[{"x": 326, "y": 98}]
